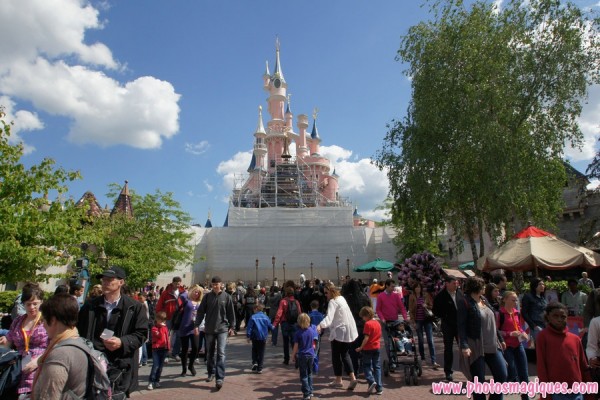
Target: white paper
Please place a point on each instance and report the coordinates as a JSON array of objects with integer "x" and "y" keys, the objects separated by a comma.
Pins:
[{"x": 107, "y": 334}]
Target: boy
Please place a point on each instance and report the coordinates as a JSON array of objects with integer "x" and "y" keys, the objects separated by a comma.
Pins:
[
  {"x": 369, "y": 349},
  {"x": 160, "y": 348},
  {"x": 315, "y": 319},
  {"x": 304, "y": 353},
  {"x": 257, "y": 331},
  {"x": 402, "y": 339},
  {"x": 567, "y": 365}
]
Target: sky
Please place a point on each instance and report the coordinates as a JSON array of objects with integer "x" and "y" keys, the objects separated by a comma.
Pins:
[{"x": 165, "y": 94}]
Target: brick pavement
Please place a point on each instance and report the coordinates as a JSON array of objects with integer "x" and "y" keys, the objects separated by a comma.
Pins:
[{"x": 279, "y": 381}]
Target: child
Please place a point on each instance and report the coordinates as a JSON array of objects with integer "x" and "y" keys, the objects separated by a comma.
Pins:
[
  {"x": 160, "y": 348},
  {"x": 257, "y": 331},
  {"x": 567, "y": 365},
  {"x": 315, "y": 319},
  {"x": 369, "y": 349},
  {"x": 304, "y": 353},
  {"x": 402, "y": 339}
]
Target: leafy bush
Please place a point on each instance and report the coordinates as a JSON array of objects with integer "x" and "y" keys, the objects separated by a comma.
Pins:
[
  {"x": 422, "y": 267},
  {"x": 7, "y": 299},
  {"x": 559, "y": 286}
]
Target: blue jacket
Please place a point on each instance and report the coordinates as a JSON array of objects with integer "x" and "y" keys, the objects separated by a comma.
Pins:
[
  {"x": 316, "y": 317},
  {"x": 259, "y": 326}
]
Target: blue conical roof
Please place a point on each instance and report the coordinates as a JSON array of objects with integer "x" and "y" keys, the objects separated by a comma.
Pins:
[
  {"x": 252, "y": 166},
  {"x": 315, "y": 133}
]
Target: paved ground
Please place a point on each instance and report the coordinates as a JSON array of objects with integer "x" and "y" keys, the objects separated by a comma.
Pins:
[{"x": 279, "y": 381}]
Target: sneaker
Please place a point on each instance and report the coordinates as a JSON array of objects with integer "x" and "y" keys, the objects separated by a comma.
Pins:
[
  {"x": 259, "y": 371},
  {"x": 372, "y": 388},
  {"x": 352, "y": 384},
  {"x": 435, "y": 365},
  {"x": 449, "y": 377},
  {"x": 166, "y": 360},
  {"x": 335, "y": 384},
  {"x": 379, "y": 392},
  {"x": 150, "y": 386},
  {"x": 219, "y": 385},
  {"x": 254, "y": 367},
  {"x": 209, "y": 378}
]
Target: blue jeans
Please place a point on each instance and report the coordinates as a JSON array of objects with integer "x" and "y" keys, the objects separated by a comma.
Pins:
[
  {"x": 175, "y": 340},
  {"x": 497, "y": 365},
  {"x": 305, "y": 364},
  {"x": 567, "y": 396},
  {"x": 144, "y": 359},
  {"x": 428, "y": 326},
  {"x": 288, "y": 331},
  {"x": 517, "y": 364},
  {"x": 372, "y": 367},
  {"x": 158, "y": 360},
  {"x": 216, "y": 341}
]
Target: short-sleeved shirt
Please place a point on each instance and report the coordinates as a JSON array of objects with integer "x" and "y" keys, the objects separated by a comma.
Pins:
[
  {"x": 305, "y": 339},
  {"x": 373, "y": 330}
]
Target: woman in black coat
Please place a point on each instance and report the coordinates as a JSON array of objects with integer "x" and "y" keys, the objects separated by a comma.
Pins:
[{"x": 356, "y": 300}]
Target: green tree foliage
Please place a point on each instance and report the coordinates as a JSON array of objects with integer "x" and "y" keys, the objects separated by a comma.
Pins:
[
  {"x": 32, "y": 232},
  {"x": 495, "y": 96},
  {"x": 155, "y": 240}
]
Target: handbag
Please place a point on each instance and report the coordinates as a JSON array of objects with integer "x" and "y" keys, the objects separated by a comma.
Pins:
[{"x": 429, "y": 316}]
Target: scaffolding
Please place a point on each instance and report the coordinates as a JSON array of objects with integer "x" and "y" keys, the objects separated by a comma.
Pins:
[{"x": 291, "y": 185}]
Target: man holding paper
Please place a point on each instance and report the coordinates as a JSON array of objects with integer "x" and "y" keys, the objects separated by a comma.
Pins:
[{"x": 117, "y": 326}]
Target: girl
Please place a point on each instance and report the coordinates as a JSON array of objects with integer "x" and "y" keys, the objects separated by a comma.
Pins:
[{"x": 417, "y": 302}]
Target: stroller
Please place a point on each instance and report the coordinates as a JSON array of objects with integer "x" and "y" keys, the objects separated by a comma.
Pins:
[{"x": 396, "y": 359}]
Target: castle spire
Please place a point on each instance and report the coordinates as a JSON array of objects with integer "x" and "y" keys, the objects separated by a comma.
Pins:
[
  {"x": 260, "y": 127},
  {"x": 315, "y": 133},
  {"x": 267, "y": 72},
  {"x": 278, "y": 71}
]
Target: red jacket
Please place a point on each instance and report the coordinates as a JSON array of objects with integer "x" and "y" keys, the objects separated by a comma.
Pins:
[
  {"x": 160, "y": 337},
  {"x": 282, "y": 310},
  {"x": 167, "y": 301},
  {"x": 567, "y": 365}
]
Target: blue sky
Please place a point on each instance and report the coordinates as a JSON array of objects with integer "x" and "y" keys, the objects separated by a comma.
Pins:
[{"x": 165, "y": 94}]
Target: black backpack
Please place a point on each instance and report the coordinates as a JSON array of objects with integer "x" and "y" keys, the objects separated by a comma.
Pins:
[
  {"x": 292, "y": 313},
  {"x": 177, "y": 316}
]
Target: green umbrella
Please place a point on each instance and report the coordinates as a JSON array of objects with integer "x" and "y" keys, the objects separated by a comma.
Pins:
[
  {"x": 467, "y": 265},
  {"x": 375, "y": 266}
]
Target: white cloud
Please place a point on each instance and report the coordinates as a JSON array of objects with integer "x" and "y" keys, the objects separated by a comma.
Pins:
[
  {"x": 21, "y": 121},
  {"x": 589, "y": 121},
  {"x": 197, "y": 148},
  {"x": 234, "y": 168},
  {"x": 46, "y": 61},
  {"x": 360, "y": 181},
  {"x": 209, "y": 187}
]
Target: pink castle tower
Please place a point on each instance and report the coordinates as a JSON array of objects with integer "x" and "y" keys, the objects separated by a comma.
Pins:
[{"x": 276, "y": 178}]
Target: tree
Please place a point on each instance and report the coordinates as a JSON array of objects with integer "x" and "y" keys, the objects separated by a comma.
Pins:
[
  {"x": 495, "y": 97},
  {"x": 33, "y": 233},
  {"x": 156, "y": 240}
]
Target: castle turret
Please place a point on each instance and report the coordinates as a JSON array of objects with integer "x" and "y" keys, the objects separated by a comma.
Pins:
[
  {"x": 260, "y": 148},
  {"x": 301, "y": 147},
  {"x": 315, "y": 139}
]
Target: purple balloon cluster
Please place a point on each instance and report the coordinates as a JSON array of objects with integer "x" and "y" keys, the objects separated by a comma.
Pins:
[{"x": 424, "y": 268}]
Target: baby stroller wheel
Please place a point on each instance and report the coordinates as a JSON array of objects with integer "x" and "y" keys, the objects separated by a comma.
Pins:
[
  {"x": 386, "y": 368},
  {"x": 407, "y": 375},
  {"x": 413, "y": 375}
]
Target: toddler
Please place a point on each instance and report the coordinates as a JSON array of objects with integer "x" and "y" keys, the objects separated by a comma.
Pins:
[{"x": 160, "y": 348}]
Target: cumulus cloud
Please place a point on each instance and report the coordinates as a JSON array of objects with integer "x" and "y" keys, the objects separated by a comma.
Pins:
[
  {"x": 590, "y": 127},
  {"x": 47, "y": 62},
  {"x": 360, "y": 181},
  {"x": 197, "y": 148},
  {"x": 208, "y": 186}
]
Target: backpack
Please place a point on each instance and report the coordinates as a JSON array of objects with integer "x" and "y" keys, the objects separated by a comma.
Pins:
[
  {"x": 10, "y": 369},
  {"x": 177, "y": 316},
  {"x": 98, "y": 385},
  {"x": 292, "y": 313}
]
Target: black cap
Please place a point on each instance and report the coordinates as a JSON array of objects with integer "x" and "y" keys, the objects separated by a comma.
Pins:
[{"x": 113, "y": 272}]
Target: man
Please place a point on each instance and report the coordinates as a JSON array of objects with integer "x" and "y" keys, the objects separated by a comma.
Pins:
[
  {"x": 302, "y": 279},
  {"x": 168, "y": 302},
  {"x": 288, "y": 328},
  {"x": 117, "y": 326},
  {"x": 238, "y": 304},
  {"x": 444, "y": 307},
  {"x": 574, "y": 298},
  {"x": 500, "y": 281},
  {"x": 216, "y": 309},
  {"x": 389, "y": 305},
  {"x": 374, "y": 290},
  {"x": 586, "y": 281}
]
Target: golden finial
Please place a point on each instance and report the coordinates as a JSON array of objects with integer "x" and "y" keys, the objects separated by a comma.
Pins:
[{"x": 315, "y": 113}]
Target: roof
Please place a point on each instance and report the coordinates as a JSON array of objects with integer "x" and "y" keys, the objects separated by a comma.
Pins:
[{"x": 123, "y": 204}]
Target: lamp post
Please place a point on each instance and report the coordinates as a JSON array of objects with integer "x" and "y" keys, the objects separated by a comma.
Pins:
[
  {"x": 337, "y": 263},
  {"x": 311, "y": 271},
  {"x": 284, "y": 273},
  {"x": 273, "y": 261},
  {"x": 348, "y": 266},
  {"x": 256, "y": 276}
]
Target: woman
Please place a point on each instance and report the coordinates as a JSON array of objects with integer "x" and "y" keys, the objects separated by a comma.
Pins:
[
  {"x": 356, "y": 300},
  {"x": 274, "y": 300},
  {"x": 190, "y": 302},
  {"x": 28, "y": 335},
  {"x": 342, "y": 332},
  {"x": 534, "y": 306},
  {"x": 250, "y": 299},
  {"x": 509, "y": 325},
  {"x": 61, "y": 369},
  {"x": 492, "y": 294},
  {"x": 418, "y": 302},
  {"x": 480, "y": 341}
]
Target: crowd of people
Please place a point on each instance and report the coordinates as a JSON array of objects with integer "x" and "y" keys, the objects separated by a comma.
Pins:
[{"x": 486, "y": 323}]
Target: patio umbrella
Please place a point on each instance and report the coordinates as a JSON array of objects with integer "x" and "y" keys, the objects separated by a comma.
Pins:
[
  {"x": 467, "y": 265},
  {"x": 377, "y": 265},
  {"x": 533, "y": 248}
]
